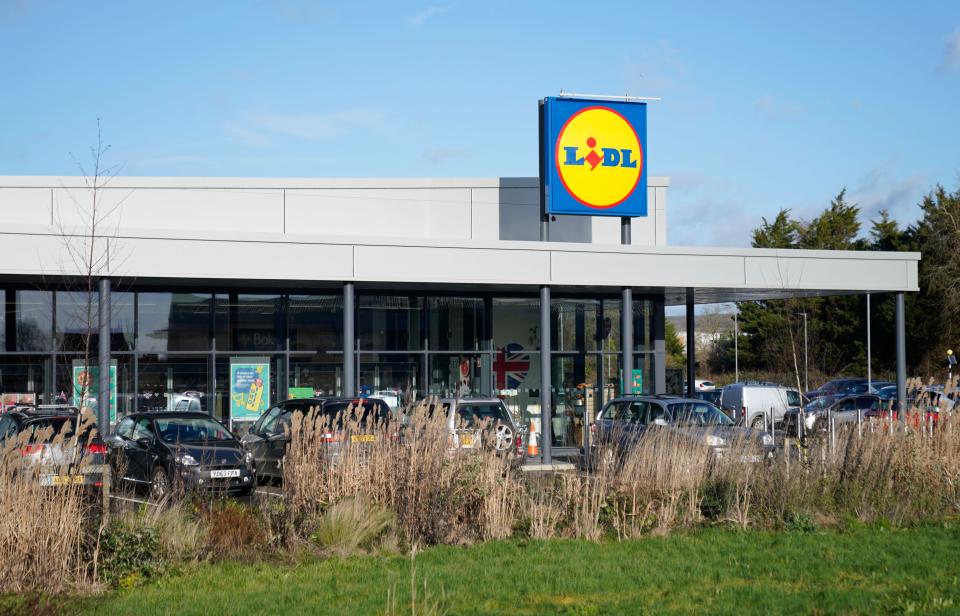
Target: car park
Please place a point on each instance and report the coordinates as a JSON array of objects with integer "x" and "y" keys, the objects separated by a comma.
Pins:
[
  {"x": 51, "y": 446},
  {"x": 759, "y": 404},
  {"x": 623, "y": 421},
  {"x": 169, "y": 452},
  {"x": 349, "y": 422},
  {"x": 474, "y": 423}
]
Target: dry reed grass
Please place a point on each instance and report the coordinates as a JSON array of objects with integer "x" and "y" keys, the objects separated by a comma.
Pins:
[{"x": 45, "y": 531}]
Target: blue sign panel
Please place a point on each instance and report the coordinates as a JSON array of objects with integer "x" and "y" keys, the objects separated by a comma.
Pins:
[{"x": 593, "y": 157}]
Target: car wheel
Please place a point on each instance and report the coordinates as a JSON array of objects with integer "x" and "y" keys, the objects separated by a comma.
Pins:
[
  {"x": 160, "y": 484},
  {"x": 758, "y": 423},
  {"x": 504, "y": 438}
]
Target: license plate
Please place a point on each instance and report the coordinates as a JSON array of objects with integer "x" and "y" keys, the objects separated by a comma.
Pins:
[
  {"x": 363, "y": 438},
  {"x": 61, "y": 480},
  {"x": 224, "y": 474},
  {"x": 466, "y": 440}
]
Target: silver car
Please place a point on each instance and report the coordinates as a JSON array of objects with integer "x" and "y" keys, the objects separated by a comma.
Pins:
[{"x": 475, "y": 423}]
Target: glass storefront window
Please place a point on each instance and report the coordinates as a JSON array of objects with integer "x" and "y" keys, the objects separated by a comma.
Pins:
[
  {"x": 34, "y": 321},
  {"x": 315, "y": 322},
  {"x": 23, "y": 379},
  {"x": 395, "y": 379},
  {"x": 574, "y": 324},
  {"x": 249, "y": 322},
  {"x": 165, "y": 381},
  {"x": 389, "y": 323},
  {"x": 77, "y": 321},
  {"x": 456, "y": 323},
  {"x": 575, "y": 399},
  {"x": 459, "y": 374},
  {"x": 173, "y": 322},
  {"x": 121, "y": 321},
  {"x": 642, "y": 325},
  {"x": 319, "y": 373},
  {"x": 126, "y": 390}
]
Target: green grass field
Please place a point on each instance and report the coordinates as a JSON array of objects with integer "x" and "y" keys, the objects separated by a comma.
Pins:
[{"x": 860, "y": 571}]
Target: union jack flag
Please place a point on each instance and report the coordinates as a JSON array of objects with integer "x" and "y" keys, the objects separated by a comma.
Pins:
[{"x": 511, "y": 365}]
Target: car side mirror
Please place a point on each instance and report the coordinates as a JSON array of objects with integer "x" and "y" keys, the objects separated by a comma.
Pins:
[{"x": 144, "y": 442}]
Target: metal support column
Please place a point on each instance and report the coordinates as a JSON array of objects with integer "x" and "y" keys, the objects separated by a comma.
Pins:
[
  {"x": 901, "y": 358},
  {"x": 659, "y": 327},
  {"x": 546, "y": 426},
  {"x": 349, "y": 346},
  {"x": 626, "y": 322},
  {"x": 691, "y": 347},
  {"x": 103, "y": 390}
]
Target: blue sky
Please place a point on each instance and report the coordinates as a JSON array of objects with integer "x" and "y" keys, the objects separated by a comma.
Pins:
[{"x": 765, "y": 105}]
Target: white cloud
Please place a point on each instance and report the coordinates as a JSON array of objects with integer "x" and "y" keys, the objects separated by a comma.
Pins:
[
  {"x": 774, "y": 108},
  {"x": 441, "y": 155},
  {"x": 255, "y": 128},
  {"x": 951, "y": 53},
  {"x": 882, "y": 189},
  {"x": 420, "y": 18}
]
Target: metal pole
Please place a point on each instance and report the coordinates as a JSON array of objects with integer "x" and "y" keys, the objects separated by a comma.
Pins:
[
  {"x": 658, "y": 326},
  {"x": 349, "y": 336},
  {"x": 869, "y": 366},
  {"x": 103, "y": 393},
  {"x": 546, "y": 428},
  {"x": 626, "y": 321},
  {"x": 901, "y": 358},
  {"x": 736, "y": 347},
  {"x": 691, "y": 346}
]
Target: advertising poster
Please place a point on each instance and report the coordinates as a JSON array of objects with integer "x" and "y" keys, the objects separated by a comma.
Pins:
[
  {"x": 637, "y": 381},
  {"x": 86, "y": 388},
  {"x": 249, "y": 388},
  {"x": 299, "y": 392}
]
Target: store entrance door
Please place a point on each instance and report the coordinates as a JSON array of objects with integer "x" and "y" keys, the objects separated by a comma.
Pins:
[{"x": 575, "y": 398}]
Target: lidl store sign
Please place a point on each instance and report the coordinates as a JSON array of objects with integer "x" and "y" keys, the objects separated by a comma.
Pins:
[{"x": 594, "y": 157}]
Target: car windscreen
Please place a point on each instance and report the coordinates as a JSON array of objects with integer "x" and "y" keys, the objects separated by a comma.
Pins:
[
  {"x": 793, "y": 398},
  {"x": 474, "y": 413},
  {"x": 698, "y": 414},
  {"x": 190, "y": 430}
]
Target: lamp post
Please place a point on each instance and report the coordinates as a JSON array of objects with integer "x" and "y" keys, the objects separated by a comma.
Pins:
[
  {"x": 736, "y": 347},
  {"x": 951, "y": 362},
  {"x": 806, "y": 373}
]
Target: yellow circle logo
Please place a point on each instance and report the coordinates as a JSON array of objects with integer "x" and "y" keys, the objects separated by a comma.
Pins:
[{"x": 599, "y": 157}]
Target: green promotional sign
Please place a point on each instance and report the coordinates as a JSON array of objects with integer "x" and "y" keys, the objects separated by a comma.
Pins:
[
  {"x": 249, "y": 388},
  {"x": 299, "y": 392},
  {"x": 637, "y": 381},
  {"x": 86, "y": 388}
]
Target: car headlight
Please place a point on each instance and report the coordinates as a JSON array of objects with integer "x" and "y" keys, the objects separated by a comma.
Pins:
[
  {"x": 185, "y": 459},
  {"x": 766, "y": 439},
  {"x": 248, "y": 458},
  {"x": 715, "y": 441}
]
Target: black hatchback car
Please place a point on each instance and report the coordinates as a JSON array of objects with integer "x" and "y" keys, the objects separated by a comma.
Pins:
[
  {"x": 268, "y": 438},
  {"x": 165, "y": 451}
]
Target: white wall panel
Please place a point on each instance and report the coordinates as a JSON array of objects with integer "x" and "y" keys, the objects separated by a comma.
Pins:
[
  {"x": 25, "y": 206},
  {"x": 383, "y": 212},
  {"x": 824, "y": 273},
  {"x": 437, "y": 264},
  {"x": 189, "y": 210},
  {"x": 645, "y": 269}
]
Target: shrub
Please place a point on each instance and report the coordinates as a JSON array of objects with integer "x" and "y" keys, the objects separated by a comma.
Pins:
[
  {"x": 351, "y": 525},
  {"x": 128, "y": 553},
  {"x": 234, "y": 530}
]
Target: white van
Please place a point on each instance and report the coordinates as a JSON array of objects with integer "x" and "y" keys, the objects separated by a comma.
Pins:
[{"x": 754, "y": 403}]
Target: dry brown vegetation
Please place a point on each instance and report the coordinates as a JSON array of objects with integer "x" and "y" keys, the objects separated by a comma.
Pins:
[{"x": 409, "y": 489}]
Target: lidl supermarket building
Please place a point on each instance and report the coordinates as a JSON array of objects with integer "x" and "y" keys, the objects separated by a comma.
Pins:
[{"x": 342, "y": 286}]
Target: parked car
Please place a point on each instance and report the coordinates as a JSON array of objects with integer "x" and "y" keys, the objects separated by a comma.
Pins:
[
  {"x": 392, "y": 397},
  {"x": 478, "y": 422},
  {"x": 840, "y": 388},
  {"x": 713, "y": 396},
  {"x": 848, "y": 409},
  {"x": 623, "y": 421},
  {"x": 50, "y": 445},
  {"x": 268, "y": 439},
  {"x": 170, "y": 451},
  {"x": 759, "y": 404}
]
